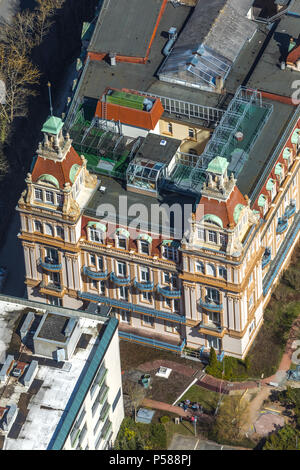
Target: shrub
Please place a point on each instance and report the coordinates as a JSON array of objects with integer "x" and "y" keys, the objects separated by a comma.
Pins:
[{"x": 164, "y": 419}]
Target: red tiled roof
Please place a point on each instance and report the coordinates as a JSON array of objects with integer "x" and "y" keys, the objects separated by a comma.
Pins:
[
  {"x": 222, "y": 209},
  {"x": 131, "y": 116},
  {"x": 60, "y": 170}
]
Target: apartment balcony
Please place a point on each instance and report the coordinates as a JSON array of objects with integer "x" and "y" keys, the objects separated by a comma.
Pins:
[
  {"x": 144, "y": 286},
  {"x": 282, "y": 225},
  {"x": 156, "y": 340},
  {"x": 52, "y": 289},
  {"x": 290, "y": 210},
  {"x": 169, "y": 293},
  {"x": 123, "y": 304},
  {"x": 266, "y": 258},
  {"x": 50, "y": 265},
  {"x": 213, "y": 329},
  {"x": 280, "y": 257},
  {"x": 210, "y": 305},
  {"x": 95, "y": 275},
  {"x": 120, "y": 281}
]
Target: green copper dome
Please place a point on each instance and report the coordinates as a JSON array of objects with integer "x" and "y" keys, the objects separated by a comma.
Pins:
[{"x": 53, "y": 125}]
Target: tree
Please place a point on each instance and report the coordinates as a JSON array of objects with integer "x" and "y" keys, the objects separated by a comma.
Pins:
[
  {"x": 45, "y": 10},
  {"x": 135, "y": 393},
  {"x": 230, "y": 418},
  {"x": 287, "y": 438},
  {"x": 19, "y": 76}
]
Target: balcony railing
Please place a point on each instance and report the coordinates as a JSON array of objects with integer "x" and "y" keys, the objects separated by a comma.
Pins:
[
  {"x": 144, "y": 286},
  {"x": 266, "y": 257},
  {"x": 290, "y": 210},
  {"x": 50, "y": 265},
  {"x": 95, "y": 275},
  {"x": 55, "y": 287},
  {"x": 132, "y": 307},
  {"x": 152, "y": 342},
  {"x": 214, "y": 327},
  {"x": 282, "y": 225},
  {"x": 169, "y": 293},
  {"x": 120, "y": 281},
  {"x": 211, "y": 305}
]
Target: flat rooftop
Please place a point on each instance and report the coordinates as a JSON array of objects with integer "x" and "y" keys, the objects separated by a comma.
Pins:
[
  {"x": 130, "y": 37},
  {"x": 267, "y": 75},
  {"x": 158, "y": 148},
  {"x": 257, "y": 67},
  {"x": 42, "y": 406},
  {"x": 54, "y": 327},
  {"x": 116, "y": 188}
]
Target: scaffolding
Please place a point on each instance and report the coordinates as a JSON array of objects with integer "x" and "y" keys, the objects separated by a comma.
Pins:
[
  {"x": 106, "y": 151},
  {"x": 246, "y": 115}
]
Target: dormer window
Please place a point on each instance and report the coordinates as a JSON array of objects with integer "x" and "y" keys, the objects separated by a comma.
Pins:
[
  {"x": 201, "y": 234},
  {"x": 170, "y": 250},
  {"x": 121, "y": 242},
  {"x": 271, "y": 186},
  {"x": 96, "y": 235},
  {"x": 38, "y": 194},
  {"x": 96, "y": 231},
  {"x": 49, "y": 197},
  {"x": 144, "y": 242},
  {"x": 212, "y": 236},
  {"x": 60, "y": 199},
  {"x": 122, "y": 235}
]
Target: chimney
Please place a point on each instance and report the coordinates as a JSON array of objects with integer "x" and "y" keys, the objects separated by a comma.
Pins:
[{"x": 112, "y": 59}]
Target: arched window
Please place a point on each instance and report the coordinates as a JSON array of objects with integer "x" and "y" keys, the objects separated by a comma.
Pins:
[
  {"x": 223, "y": 272},
  {"x": 210, "y": 270},
  {"x": 49, "y": 230},
  {"x": 59, "y": 232},
  {"x": 38, "y": 226}
]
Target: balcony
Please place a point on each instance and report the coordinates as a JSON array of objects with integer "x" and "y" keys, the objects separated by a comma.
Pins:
[
  {"x": 95, "y": 275},
  {"x": 50, "y": 265},
  {"x": 290, "y": 210},
  {"x": 211, "y": 305},
  {"x": 169, "y": 293},
  {"x": 155, "y": 343},
  {"x": 211, "y": 328},
  {"x": 120, "y": 281},
  {"x": 144, "y": 286},
  {"x": 132, "y": 307},
  {"x": 266, "y": 258},
  {"x": 282, "y": 225},
  {"x": 52, "y": 288}
]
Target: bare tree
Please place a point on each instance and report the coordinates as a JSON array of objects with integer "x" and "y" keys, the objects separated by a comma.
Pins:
[
  {"x": 19, "y": 76},
  {"x": 44, "y": 11},
  {"x": 136, "y": 394}
]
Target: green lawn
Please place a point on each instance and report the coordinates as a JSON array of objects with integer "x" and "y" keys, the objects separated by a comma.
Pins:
[{"x": 204, "y": 397}]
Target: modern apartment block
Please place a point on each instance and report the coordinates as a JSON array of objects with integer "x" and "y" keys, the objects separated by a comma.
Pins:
[
  {"x": 60, "y": 378},
  {"x": 202, "y": 146}
]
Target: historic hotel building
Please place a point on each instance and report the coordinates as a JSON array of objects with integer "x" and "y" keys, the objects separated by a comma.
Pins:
[
  {"x": 226, "y": 155},
  {"x": 201, "y": 288}
]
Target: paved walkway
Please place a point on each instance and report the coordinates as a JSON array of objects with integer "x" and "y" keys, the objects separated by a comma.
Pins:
[
  {"x": 223, "y": 386},
  {"x": 158, "y": 405}
]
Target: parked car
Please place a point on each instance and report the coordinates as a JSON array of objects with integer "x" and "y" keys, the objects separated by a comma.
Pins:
[{"x": 3, "y": 276}]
